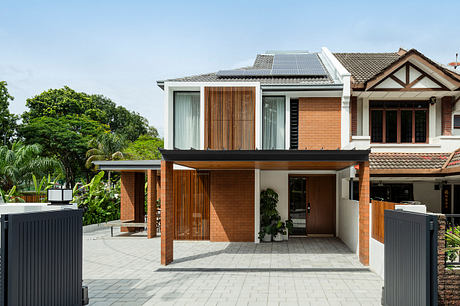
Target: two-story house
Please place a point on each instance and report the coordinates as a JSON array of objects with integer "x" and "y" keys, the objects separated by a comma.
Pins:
[{"x": 321, "y": 129}]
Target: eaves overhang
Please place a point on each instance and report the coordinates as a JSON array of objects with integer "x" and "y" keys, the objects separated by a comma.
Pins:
[
  {"x": 128, "y": 165},
  {"x": 327, "y": 87}
]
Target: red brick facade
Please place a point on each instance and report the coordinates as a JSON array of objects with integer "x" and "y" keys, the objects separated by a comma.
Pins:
[
  {"x": 167, "y": 212},
  {"x": 319, "y": 123},
  {"x": 354, "y": 115},
  {"x": 446, "y": 116},
  {"x": 132, "y": 198},
  {"x": 364, "y": 200},
  {"x": 448, "y": 280},
  {"x": 232, "y": 206},
  {"x": 151, "y": 203}
]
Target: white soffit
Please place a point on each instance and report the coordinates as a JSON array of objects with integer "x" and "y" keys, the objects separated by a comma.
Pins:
[{"x": 433, "y": 74}]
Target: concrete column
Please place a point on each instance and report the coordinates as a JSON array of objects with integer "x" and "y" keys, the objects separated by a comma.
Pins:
[
  {"x": 167, "y": 218},
  {"x": 364, "y": 200},
  {"x": 151, "y": 203}
]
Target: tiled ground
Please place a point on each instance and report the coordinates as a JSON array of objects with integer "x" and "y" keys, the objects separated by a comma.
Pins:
[{"x": 314, "y": 271}]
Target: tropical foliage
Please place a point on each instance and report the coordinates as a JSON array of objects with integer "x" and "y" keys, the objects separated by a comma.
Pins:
[
  {"x": 7, "y": 120},
  {"x": 107, "y": 146},
  {"x": 20, "y": 162},
  {"x": 10, "y": 196},
  {"x": 453, "y": 243},
  {"x": 145, "y": 147},
  {"x": 98, "y": 202}
]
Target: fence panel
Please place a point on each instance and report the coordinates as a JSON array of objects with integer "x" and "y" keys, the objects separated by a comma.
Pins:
[
  {"x": 410, "y": 259},
  {"x": 42, "y": 258},
  {"x": 378, "y": 224}
]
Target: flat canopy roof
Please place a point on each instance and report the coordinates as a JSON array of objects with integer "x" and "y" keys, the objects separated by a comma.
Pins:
[
  {"x": 266, "y": 159},
  {"x": 120, "y": 165}
]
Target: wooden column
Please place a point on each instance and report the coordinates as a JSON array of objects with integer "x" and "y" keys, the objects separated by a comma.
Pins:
[
  {"x": 364, "y": 199},
  {"x": 151, "y": 203},
  {"x": 167, "y": 218},
  {"x": 128, "y": 199}
]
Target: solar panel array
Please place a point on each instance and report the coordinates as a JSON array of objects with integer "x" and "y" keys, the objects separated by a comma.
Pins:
[{"x": 305, "y": 64}]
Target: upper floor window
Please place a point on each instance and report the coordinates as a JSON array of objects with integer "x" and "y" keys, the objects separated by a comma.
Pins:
[
  {"x": 273, "y": 123},
  {"x": 456, "y": 121},
  {"x": 186, "y": 120},
  {"x": 399, "y": 121}
]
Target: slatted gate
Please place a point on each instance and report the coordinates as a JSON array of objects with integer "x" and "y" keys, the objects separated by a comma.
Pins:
[
  {"x": 410, "y": 259},
  {"x": 41, "y": 258}
]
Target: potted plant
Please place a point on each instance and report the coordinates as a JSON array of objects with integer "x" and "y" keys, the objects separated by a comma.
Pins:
[
  {"x": 280, "y": 231},
  {"x": 269, "y": 216}
]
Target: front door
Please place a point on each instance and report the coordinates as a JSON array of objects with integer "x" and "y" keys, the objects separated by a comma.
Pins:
[{"x": 312, "y": 204}]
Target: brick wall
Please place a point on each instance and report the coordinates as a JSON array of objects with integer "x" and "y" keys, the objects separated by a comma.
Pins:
[
  {"x": 167, "y": 212},
  {"x": 354, "y": 116},
  {"x": 448, "y": 280},
  {"x": 364, "y": 199},
  {"x": 132, "y": 198},
  {"x": 232, "y": 206},
  {"x": 319, "y": 123},
  {"x": 446, "y": 116}
]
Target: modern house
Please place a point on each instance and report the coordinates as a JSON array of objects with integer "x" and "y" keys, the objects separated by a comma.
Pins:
[{"x": 322, "y": 129}]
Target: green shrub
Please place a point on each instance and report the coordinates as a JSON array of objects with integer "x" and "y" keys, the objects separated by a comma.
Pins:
[{"x": 99, "y": 202}]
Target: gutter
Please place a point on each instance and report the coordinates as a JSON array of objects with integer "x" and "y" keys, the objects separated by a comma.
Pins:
[{"x": 327, "y": 87}]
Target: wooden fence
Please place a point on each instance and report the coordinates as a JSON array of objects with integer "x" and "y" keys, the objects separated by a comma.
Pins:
[
  {"x": 378, "y": 227},
  {"x": 33, "y": 198}
]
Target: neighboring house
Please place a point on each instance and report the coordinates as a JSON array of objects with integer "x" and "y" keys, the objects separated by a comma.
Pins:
[{"x": 307, "y": 125}]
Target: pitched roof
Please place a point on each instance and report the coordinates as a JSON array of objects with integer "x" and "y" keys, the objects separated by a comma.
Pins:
[
  {"x": 407, "y": 160},
  {"x": 363, "y": 66},
  {"x": 262, "y": 61},
  {"x": 455, "y": 161}
]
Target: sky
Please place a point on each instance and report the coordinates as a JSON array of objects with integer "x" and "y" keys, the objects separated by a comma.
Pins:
[{"x": 121, "y": 48}]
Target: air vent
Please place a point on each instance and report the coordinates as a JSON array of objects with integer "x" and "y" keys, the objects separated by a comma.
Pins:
[{"x": 294, "y": 110}]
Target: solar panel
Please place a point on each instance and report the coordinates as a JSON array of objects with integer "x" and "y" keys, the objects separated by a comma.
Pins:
[{"x": 306, "y": 64}]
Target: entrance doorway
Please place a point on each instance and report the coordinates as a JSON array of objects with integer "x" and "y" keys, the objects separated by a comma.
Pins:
[{"x": 312, "y": 204}]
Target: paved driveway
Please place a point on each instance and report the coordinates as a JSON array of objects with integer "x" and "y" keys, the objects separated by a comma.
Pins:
[{"x": 313, "y": 271}]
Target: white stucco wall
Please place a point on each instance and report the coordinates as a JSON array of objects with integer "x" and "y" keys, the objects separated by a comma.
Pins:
[
  {"x": 425, "y": 193},
  {"x": 278, "y": 181},
  {"x": 348, "y": 214}
]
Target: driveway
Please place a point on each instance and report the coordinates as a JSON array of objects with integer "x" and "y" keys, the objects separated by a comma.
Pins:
[{"x": 126, "y": 270}]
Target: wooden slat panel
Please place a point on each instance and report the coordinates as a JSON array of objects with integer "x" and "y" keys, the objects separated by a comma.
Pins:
[
  {"x": 191, "y": 205},
  {"x": 230, "y": 118},
  {"x": 378, "y": 213}
]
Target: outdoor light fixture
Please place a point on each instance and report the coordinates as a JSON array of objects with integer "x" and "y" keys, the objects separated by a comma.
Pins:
[
  {"x": 432, "y": 100},
  {"x": 59, "y": 196}
]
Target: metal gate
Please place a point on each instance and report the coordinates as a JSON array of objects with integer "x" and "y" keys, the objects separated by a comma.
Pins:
[
  {"x": 41, "y": 258},
  {"x": 410, "y": 259}
]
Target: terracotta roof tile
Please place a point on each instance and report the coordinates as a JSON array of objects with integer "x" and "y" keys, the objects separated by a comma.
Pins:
[
  {"x": 455, "y": 161},
  {"x": 407, "y": 160}
]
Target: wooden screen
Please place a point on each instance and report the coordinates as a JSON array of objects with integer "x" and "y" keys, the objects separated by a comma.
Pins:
[
  {"x": 230, "y": 118},
  {"x": 378, "y": 214},
  {"x": 191, "y": 205}
]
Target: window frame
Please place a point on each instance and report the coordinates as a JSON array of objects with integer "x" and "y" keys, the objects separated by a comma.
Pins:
[
  {"x": 174, "y": 114},
  {"x": 262, "y": 121},
  {"x": 453, "y": 121},
  {"x": 398, "y": 110}
]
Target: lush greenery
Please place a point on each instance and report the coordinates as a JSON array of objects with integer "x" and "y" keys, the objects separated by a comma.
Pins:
[
  {"x": 453, "y": 243},
  {"x": 7, "y": 120},
  {"x": 99, "y": 203},
  {"x": 61, "y": 133},
  {"x": 270, "y": 220},
  {"x": 145, "y": 147}
]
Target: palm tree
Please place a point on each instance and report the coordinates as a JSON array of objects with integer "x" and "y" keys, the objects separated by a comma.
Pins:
[
  {"x": 107, "y": 146},
  {"x": 18, "y": 164}
]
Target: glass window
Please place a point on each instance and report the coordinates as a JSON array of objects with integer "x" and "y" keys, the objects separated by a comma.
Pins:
[
  {"x": 391, "y": 119},
  {"x": 377, "y": 121},
  {"x": 273, "y": 125},
  {"x": 457, "y": 122},
  {"x": 186, "y": 120},
  {"x": 420, "y": 126},
  {"x": 406, "y": 126}
]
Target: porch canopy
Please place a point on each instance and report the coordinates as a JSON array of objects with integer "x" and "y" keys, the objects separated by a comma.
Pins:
[
  {"x": 262, "y": 160},
  {"x": 132, "y": 191}
]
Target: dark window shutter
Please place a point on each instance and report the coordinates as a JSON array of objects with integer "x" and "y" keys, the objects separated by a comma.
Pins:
[{"x": 294, "y": 113}]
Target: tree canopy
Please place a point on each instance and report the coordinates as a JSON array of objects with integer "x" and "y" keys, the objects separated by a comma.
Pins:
[
  {"x": 66, "y": 138},
  {"x": 145, "y": 147},
  {"x": 7, "y": 120}
]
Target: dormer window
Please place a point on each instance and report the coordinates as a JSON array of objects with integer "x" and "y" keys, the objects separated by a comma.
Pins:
[
  {"x": 186, "y": 120},
  {"x": 398, "y": 121}
]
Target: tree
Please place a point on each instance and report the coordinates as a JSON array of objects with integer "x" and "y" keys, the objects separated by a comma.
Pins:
[
  {"x": 18, "y": 164},
  {"x": 7, "y": 120},
  {"x": 66, "y": 138},
  {"x": 145, "y": 147},
  {"x": 65, "y": 101},
  {"x": 107, "y": 146}
]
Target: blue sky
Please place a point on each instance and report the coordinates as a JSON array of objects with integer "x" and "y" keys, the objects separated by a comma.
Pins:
[{"x": 121, "y": 48}]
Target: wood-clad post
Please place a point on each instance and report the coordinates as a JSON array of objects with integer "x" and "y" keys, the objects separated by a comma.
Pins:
[
  {"x": 128, "y": 199},
  {"x": 151, "y": 203},
  {"x": 364, "y": 198},
  {"x": 167, "y": 218}
]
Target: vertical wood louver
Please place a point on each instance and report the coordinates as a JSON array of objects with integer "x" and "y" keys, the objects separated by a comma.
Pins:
[{"x": 294, "y": 126}]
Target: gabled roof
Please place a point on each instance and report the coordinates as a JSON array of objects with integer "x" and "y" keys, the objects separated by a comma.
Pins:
[
  {"x": 367, "y": 68},
  {"x": 262, "y": 61}
]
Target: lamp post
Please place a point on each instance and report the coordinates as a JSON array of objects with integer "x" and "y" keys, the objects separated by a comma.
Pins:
[{"x": 58, "y": 196}]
